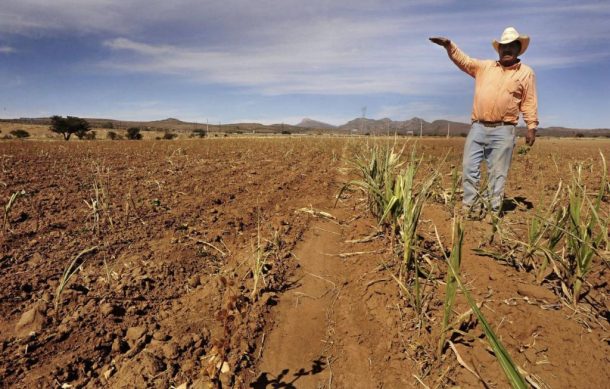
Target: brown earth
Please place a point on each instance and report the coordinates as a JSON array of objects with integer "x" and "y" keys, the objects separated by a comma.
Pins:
[{"x": 165, "y": 296}]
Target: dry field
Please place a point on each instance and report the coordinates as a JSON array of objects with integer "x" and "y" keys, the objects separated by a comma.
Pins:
[{"x": 233, "y": 263}]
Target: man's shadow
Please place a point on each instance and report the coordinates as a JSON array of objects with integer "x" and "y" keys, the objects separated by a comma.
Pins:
[
  {"x": 283, "y": 380},
  {"x": 510, "y": 204}
]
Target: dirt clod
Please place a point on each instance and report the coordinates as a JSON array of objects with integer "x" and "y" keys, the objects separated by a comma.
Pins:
[
  {"x": 135, "y": 333},
  {"x": 536, "y": 292},
  {"x": 152, "y": 364},
  {"x": 32, "y": 320}
]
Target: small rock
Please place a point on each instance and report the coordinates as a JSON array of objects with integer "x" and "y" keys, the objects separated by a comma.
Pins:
[
  {"x": 152, "y": 364},
  {"x": 32, "y": 320},
  {"x": 170, "y": 350},
  {"x": 270, "y": 299},
  {"x": 224, "y": 369},
  {"x": 194, "y": 281},
  {"x": 63, "y": 330},
  {"x": 161, "y": 336},
  {"x": 119, "y": 346},
  {"x": 203, "y": 383},
  {"x": 106, "y": 309},
  {"x": 108, "y": 373},
  {"x": 537, "y": 292},
  {"x": 36, "y": 257},
  {"x": 46, "y": 296},
  {"x": 186, "y": 341},
  {"x": 188, "y": 365},
  {"x": 225, "y": 380},
  {"x": 135, "y": 333}
]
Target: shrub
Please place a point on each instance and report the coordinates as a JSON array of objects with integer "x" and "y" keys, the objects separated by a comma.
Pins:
[
  {"x": 20, "y": 134},
  {"x": 169, "y": 136},
  {"x": 522, "y": 150},
  {"x": 133, "y": 133},
  {"x": 111, "y": 135}
]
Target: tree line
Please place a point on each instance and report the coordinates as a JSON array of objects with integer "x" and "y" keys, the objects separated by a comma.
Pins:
[{"x": 82, "y": 129}]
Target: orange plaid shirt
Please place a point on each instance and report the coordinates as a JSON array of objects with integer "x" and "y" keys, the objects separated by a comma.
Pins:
[{"x": 500, "y": 93}]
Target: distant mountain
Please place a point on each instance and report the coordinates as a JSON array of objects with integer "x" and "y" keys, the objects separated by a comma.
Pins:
[
  {"x": 406, "y": 127},
  {"x": 358, "y": 126},
  {"x": 169, "y": 121},
  {"x": 310, "y": 123}
]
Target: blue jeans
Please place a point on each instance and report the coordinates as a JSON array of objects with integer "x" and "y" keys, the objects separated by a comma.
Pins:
[{"x": 494, "y": 145}]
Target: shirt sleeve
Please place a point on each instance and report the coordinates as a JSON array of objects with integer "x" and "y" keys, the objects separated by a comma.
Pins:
[
  {"x": 463, "y": 61},
  {"x": 529, "y": 101}
]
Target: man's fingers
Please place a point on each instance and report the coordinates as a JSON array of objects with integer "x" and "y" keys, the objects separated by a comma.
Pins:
[{"x": 439, "y": 40}]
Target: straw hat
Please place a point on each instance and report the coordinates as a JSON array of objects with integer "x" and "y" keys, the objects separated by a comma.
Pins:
[{"x": 510, "y": 34}]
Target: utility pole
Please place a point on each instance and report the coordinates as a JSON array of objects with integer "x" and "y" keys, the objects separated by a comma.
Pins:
[
  {"x": 363, "y": 124},
  {"x": 448, "y": 126},
  {"x": 421, "y": 126}
]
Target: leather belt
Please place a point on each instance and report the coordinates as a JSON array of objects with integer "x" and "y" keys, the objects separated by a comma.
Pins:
[{"x": 494, "y": 124}]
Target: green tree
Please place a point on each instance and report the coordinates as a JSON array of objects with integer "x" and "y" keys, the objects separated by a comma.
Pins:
[
  {"x": 133, "y": 133},
  {"x": 199, "y": 133},
  {"x": 69, "y": 125}
]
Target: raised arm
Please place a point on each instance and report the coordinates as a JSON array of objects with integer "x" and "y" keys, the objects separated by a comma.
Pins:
[{"x": 463, "y": 61}]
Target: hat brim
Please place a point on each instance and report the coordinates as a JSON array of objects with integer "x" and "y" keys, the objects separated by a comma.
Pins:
[{"x": 523, "y": 39}]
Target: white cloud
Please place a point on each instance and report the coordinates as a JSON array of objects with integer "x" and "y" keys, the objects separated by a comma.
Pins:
[
  {"x": 343, "y": 57},
  {"x": 554, "y": 60},
  {"x": 6, "y": 50}
]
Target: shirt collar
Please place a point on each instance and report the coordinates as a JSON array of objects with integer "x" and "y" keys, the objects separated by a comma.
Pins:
[{"x": 516, "y": 66}]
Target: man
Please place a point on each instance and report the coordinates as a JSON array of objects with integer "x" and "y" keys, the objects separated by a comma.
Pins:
[{"x": 503, "y": 89}]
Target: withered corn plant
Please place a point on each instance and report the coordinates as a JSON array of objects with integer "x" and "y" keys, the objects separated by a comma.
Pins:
[
  {"x": 543, "y": 234},
  {"x": 6, "y": 224},
  {"x": 99, "y": 203},
  {"x": 511, "y": 370},
  {"x": 411, "y": 201},
  {"x": 455, "y": 260},
  {"x": 72, "y": 268},
  {"x": 448, "y": 195},
  {"x": 586, "y": 230},
  {"x": 377, "y": 167}
]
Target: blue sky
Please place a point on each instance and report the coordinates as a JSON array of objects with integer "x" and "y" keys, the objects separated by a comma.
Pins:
[{"x": 280, "y": 61}]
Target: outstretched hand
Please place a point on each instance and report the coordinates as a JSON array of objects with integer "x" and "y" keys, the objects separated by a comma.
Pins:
[{"x": 441, "y": 41}]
